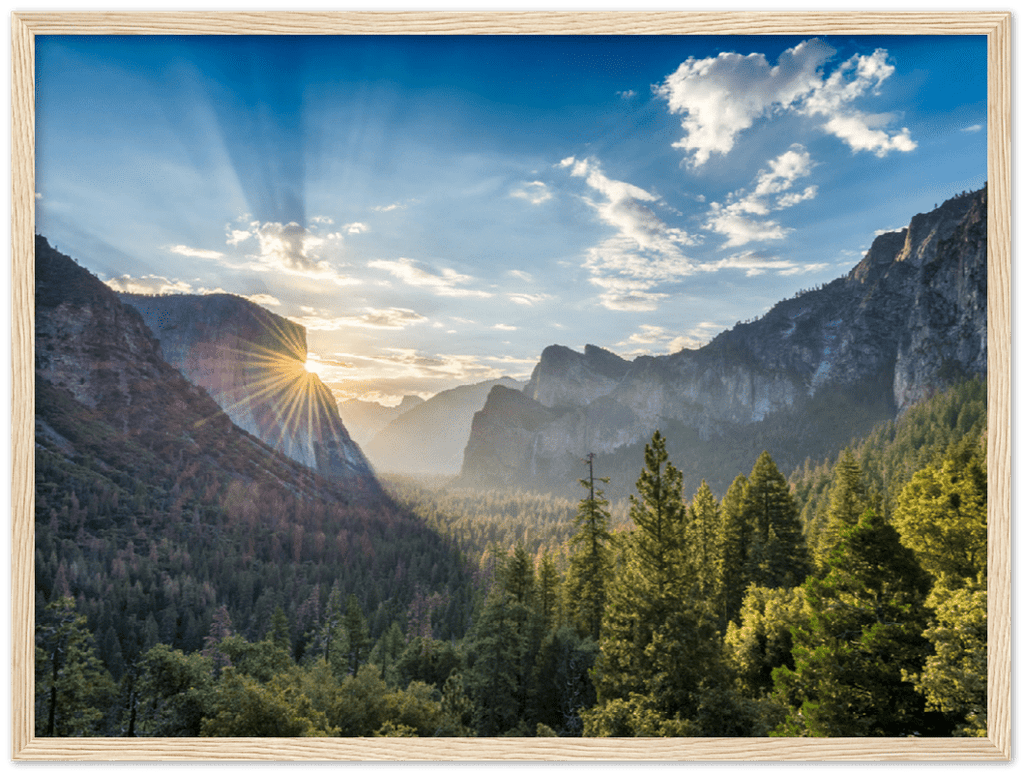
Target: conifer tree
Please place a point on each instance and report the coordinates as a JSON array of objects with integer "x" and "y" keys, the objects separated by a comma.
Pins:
[
  {"x": 590, "y": 559},
  {"x": 778, "y": 555},
  {"x": 73, "y": 689},
  {"x": 656, "y": 649},
  {"x": 704, "y": 541},
  {"x": 863, "y": 637},
  {"x": 847, "y": 502},
  {"x": 737, "y": 535},
  {"x": 548, "y": 592},
  {"x": 357, "y": 634}
]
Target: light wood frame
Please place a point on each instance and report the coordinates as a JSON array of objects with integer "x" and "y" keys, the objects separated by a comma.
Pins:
[{"x": 996, "y": 26}]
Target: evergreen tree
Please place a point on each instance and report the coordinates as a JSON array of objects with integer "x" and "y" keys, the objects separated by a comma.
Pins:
[
  {"x": 279, "y": 629},
  {"x": 590, "y": 559},
  {"x": 864, "y": 634},
  {"x": 73, "y": 690},
  {"x": 656, "y": 648},
  {"x": 704, "y": 540},
  {"x": 955, "y": 676},
  {"x": 847, "y": 502},
  {"x": 548, "y": 595},
  {"x": 942, "y": 514},
  {"x": 737, "y": 536},
  {"x": 778, "y": 555},
  {"x": 357, "y": 635}
]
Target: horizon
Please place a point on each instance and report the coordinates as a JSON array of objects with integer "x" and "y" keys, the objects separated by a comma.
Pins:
[{"x": 437, "y": 212}]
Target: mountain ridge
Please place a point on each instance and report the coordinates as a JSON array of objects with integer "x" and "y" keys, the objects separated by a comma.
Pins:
[{"x": 908, "y": 319}]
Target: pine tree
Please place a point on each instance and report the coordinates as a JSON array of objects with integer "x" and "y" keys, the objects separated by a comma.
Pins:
[
  {"x": 656, "y": 649},
  {"x": 864, "y": 634},
  {"x": 73, "y": 690},
  {"x": 704, "y": 541},
  {"x": 590, "y": 559},
  {"x": 737, "y": 535},
  {"x": 357, "y": 634},
  {"x": 847, "y": 502},
  {"x": 548, "y": 592},
  {"x": 778, "y": 555}
]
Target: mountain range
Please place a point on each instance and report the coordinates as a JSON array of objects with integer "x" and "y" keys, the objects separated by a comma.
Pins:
[{"x": 909, "y": 319}]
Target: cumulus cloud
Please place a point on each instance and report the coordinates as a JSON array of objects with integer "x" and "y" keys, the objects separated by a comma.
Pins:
[
  {"x": 627, "y": 94},
  {"x": 642, "y": 254},
  {"x": 737, "y": 219},
  {"x": 534, "y": 192},
  {"x": 356, "y": 228},
  {"x": 392, "y": 319},
  {"x": 448, "y": 283},
  {"x": 720, "y": 97},
  {"x": 289, "y": 248}
]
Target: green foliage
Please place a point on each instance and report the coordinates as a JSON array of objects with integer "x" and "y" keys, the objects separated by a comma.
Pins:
[
  {"x": 173, "y": 692},
  {"x": 589, "y": 561},
  {"x": 244, "y": 706},
  {"x": 778, "y": 555},
  {"x": 942, "y": 514},
  {"x": 864, "y": 633},
  {"x": 762, "y": 639},
  {"x": 954, "y": 677},
  {"x": 73, "y": 690},
  {"x": 847, "y": 502}
]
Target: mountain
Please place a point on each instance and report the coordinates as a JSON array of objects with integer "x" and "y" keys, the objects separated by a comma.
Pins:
[
  {"x": 252, "y": 363},
  {"x": 430, "y": 438},
  {"x": 365, "y": 418},
  {"x": 153, "y": 509},
  {"x": 815, "y": 370}
]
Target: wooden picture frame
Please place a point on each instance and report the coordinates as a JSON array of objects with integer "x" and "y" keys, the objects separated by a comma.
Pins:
[{"x": 996, "y": 26}]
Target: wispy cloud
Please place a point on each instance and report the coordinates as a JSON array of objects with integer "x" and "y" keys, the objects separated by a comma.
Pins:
[
  {"x": 737, "y": 219},
  {"x": 391, "y": 319},
  {"x": 642, "y": 254},
  {"x": 534, "y": 192},
  {"x": 155, "y": 285},
  {"x": 655, "y": 339},
  {"x": 194, "y": 252},
  {"x": 528, "y": 299},
  {"x": 264, "y": 299},
  {"x": 721, "y": 97},
  {"x": 504, "y": 327},
  {"x": 753, "y": 264},
  {"x": 968, "y": 129},
  {"x": 448, "y": 283}
]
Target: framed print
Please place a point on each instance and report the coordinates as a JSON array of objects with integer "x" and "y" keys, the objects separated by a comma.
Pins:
[{"x": 320, "y": 320}]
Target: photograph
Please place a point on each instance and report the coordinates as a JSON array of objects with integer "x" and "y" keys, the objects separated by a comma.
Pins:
[{"x": 610, "y": 388}]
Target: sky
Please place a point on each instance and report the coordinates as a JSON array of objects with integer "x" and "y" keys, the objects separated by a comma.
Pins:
[{"x": 437, "y": 210}]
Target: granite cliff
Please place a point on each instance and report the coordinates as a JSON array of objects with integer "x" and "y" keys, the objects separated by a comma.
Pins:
[
  {"x": 908, "y": 320},
  {"x": 252, "y": 363}
]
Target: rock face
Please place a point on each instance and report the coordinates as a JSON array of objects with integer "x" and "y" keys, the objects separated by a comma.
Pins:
[
  {"x": 97, "y": 363},
  {"x": 252, "y": 363},
  {"x": 908, "y": 320},
  {"x": 430, "y": 438}
]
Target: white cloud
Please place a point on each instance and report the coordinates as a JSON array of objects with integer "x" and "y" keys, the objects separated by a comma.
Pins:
[
  {"x": 393, "y": 319},
  {"x": 721, "y": 97},
  {"x": 356, "y": 228},
  {"x": 534, "y": 192},
  {"x": 505, "y": 327},
  {"x": 447, "y": 283},
  {"x": 627, "y": 94},
  {"x": 652, "y": 339},
  {"x": 753, "y": 264},
  {"x": 522, "y": 275},
  {"x": 264, "y": 299},
  {"x": 150, "y": 285},
  {"x": 289, "y": 248},
  {"x": 528, "y": 299},
  {"x": 969, "y": 129},
  {"x": 643, "y": 253},
  {"x": 193, "y": 252},
  {"x": 770, "y": 193}
]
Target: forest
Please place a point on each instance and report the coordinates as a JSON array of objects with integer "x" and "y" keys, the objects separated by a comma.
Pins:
[{"x": 848, "y": 599}]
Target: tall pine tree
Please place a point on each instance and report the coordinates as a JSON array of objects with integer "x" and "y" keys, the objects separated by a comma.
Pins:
[{"x": 590, "y": 560}]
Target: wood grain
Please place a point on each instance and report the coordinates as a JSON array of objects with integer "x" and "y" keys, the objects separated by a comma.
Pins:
[{"x": 996, "y": 26}]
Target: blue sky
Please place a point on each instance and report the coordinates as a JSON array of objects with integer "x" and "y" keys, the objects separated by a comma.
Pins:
[{"x": 437, "y": 210}]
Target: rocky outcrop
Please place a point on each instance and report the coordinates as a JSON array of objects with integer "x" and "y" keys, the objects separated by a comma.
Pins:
[
  {"x": 252, "y": 363},
  {"x": 98, "y": 366},
  {"x": 909, "y": 319}
]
